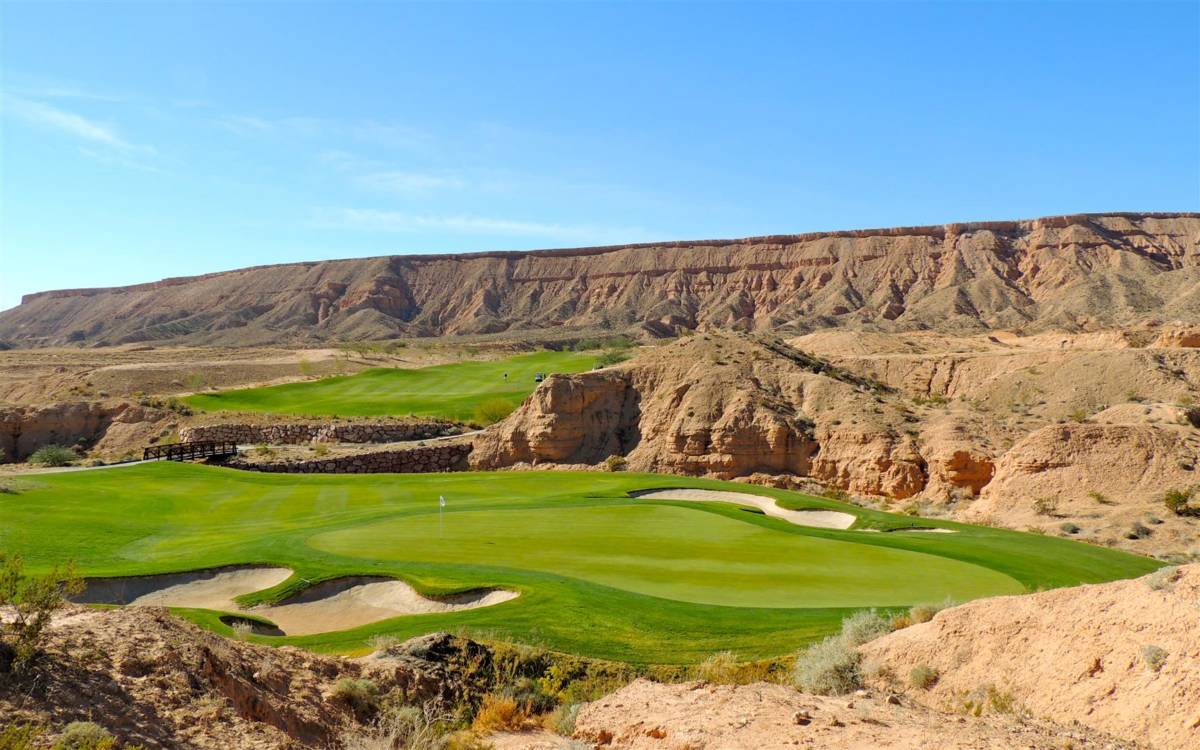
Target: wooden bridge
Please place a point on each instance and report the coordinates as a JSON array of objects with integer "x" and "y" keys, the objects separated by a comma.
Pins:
[{"x": 190, "y": 451}]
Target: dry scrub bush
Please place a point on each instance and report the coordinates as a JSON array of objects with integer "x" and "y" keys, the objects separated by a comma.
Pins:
[
  {"x": 85, "y": 735},
  {"x": 407, "y": 727},
  {"x": 831, "y": 666},
  {"x": 360, "y": 696},
  {"x": 1154, "y": 657},
  {"x": 497, "y": 714},
  {"x": 615, "y": 463},
  {"x": 1162, "y": 578},
  {"x": 923, "y": 676},
  {"x": 562, "y": 720}
]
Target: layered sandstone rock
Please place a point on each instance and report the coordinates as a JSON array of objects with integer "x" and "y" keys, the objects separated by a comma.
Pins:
[
  {"x": 1072, "y": 272},
  {"x": 24, "y": 429}
]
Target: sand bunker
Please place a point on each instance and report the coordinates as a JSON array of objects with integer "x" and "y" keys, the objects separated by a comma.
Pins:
[
  {"x": 923, "y": 530},
  {"x": 821, "y": 519},
  {"x": 338, "y": 604}
]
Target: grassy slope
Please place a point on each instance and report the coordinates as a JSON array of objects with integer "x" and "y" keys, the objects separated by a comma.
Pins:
[
  {"x": 451, "y": 391},
  {"x": 600, "y": 574}
]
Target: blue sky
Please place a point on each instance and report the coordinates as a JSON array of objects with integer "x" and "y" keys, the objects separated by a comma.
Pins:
[{"x": 154, "y": 140}]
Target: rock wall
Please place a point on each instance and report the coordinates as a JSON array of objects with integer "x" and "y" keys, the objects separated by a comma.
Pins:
[
  {"x": 321, "y": 432},
  {"x": 420, "y": 460},
  {"x": 24, "y": 429}
]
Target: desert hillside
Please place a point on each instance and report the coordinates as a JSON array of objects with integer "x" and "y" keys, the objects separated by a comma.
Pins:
[
  {"x": 1071, "y": 272},
  {"x": 1052, "y": 436}
]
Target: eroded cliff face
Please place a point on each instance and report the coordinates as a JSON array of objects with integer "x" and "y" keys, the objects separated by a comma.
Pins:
[
  {"x": 1075, "y": 272},
  {"x": 736, "y": 406},
  {"x": 714, "y": 405}
]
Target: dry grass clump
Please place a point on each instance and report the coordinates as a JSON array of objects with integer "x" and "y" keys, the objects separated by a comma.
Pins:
[{"x": 498, "y": 713}]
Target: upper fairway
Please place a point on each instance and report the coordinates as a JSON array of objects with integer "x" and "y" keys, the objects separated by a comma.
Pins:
[
  {"x": 451, "y": 391},
  {"x": 599, "y": 573}
]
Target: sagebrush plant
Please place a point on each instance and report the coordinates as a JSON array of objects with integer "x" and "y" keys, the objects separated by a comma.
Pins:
[
  {"x": 32, "y": 601},
  {"x": 562, "y": 720},
  {"x": 923, "y": 676},
  {"x": 52, "y": 455},
  {"x": 831, "y": 666},
  {"x": 402, "y": 726},
  {"x": 828, "y": 667},
  {"x": 864, "y": 626},
  {"x": 361, "y": 696},
  {"x": 85, "y": 735}
]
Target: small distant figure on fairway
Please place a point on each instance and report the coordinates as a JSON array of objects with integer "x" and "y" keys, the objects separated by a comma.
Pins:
[
  {"x": 539, "y": 377},
  {"x": 506, "y": 377}
]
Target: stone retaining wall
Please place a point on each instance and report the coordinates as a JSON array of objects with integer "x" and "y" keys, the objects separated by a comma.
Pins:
[
  {"x": 420, "y": 460},
  {"x": 298, "y": 433}
]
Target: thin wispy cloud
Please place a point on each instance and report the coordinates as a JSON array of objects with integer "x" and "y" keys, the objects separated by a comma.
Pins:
[
  {"x": 378, "y": 132},
  {"x": 48, "y": 117},
  {"x": 376, "y": 220},
  {"x": 374, "y": 175}
]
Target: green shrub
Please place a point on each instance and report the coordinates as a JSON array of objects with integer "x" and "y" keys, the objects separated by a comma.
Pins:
[
  {"x": 611, "y": 357},
  {"x": 21, "y": 736},
  {"x": 1179, "y": 502},
  {"x": 1154, "y": 657},
  {"x": 52, "y": 455},
  {"x": 85, "y": 735},
  {"x": 615, "y": 463},
  {"x": 361, "y": 696},
  {"x": 923, "y": 677},
  {"x": 320, "y": 449},
  {"x": 493, "y": 410},
  {"x": 31, "y": 602},
  {"x": 531, "y": 698}
]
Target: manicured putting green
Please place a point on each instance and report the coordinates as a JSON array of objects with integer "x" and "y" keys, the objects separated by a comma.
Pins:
[
  {"x": 599, "y": 573},
  {"x": 453, "y": 391}
]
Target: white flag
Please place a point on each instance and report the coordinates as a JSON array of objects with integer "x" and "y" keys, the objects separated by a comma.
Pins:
[{"x": 442, "y": 501}]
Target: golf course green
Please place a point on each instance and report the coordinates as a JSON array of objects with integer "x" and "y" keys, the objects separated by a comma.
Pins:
[
  {"x": 600, "y": 573},
  {"x": 454, "y": 391}
]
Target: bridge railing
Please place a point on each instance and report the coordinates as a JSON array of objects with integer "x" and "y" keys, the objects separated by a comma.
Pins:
[{"x": 190, "y": 451}]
